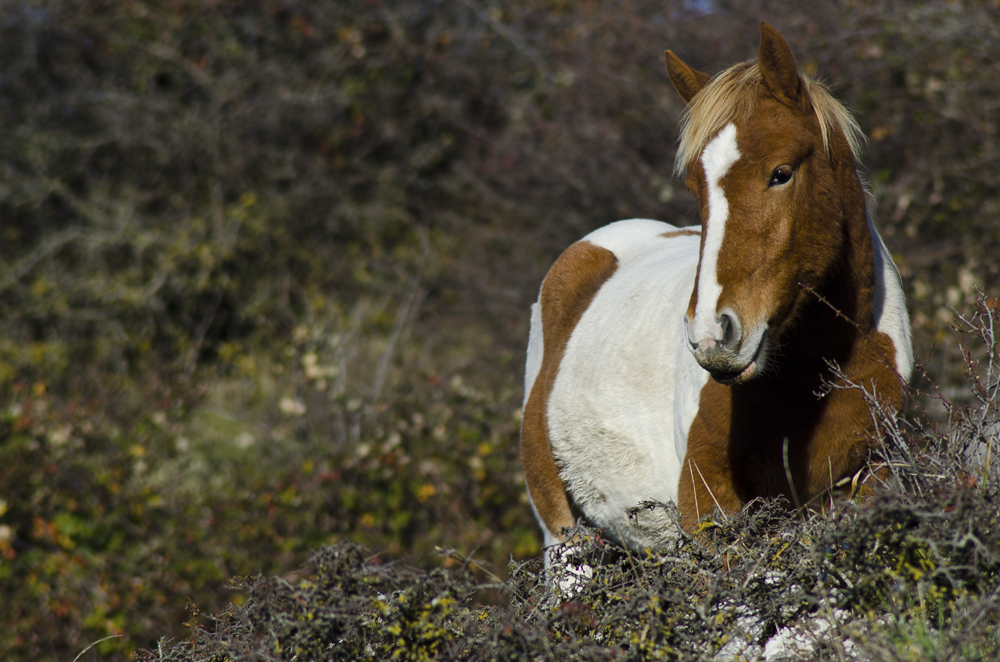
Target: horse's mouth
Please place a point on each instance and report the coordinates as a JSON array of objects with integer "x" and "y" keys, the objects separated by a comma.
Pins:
[
  {"x": 745, "y": 373},
  {"x": 736, "y": 378}
]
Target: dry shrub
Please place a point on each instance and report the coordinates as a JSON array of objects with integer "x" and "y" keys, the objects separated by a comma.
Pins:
[{"x": 910, "y": 571}]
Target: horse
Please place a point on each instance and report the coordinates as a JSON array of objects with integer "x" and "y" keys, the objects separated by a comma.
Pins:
[{"x": 700, "y": 366}]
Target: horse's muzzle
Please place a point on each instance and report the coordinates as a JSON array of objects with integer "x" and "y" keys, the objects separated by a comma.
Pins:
[{"x": 734, "y": 358}]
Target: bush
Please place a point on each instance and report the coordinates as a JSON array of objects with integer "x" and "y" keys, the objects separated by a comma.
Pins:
[{"x": 909, "y": 572}]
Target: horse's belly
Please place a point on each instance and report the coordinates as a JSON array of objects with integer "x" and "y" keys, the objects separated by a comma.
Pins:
[{"x": 625, "y": 395}]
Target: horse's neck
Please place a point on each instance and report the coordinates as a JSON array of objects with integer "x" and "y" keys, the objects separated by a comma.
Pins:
[{"x": 839, "y": 312}]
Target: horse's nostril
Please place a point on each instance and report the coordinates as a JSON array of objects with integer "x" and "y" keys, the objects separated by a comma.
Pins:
[{"x": 730, "y": 329}]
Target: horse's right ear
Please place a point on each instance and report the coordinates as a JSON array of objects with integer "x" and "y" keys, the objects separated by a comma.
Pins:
[
  {"x": 686, "y": 80},
  {"x": 777, "y": 67}
]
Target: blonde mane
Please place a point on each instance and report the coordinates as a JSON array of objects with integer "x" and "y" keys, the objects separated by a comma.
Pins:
[{"x": 733, "y": 95}]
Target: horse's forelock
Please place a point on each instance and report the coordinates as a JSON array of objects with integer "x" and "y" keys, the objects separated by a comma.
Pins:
[{"x": 732, "y": 96}]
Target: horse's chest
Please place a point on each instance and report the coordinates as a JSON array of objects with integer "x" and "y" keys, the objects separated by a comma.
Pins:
[{"x": 780, "y": 443}]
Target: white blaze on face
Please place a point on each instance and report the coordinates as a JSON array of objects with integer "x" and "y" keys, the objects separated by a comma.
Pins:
[{"x": 719, "y": 155}]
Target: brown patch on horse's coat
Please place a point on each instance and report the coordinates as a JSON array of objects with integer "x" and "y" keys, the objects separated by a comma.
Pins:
[
  {"x": 680, "y": 233},
  {"x": 566, "y": 293}
]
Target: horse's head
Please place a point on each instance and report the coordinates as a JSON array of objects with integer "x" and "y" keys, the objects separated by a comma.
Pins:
[{"x": 769, "y": 156}]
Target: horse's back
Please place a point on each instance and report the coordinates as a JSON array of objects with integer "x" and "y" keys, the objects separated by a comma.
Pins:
[{"x": 622, "y": 387}]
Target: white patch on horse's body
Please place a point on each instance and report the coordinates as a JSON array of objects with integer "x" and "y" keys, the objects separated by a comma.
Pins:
[
  {"x": 891, "y": 316},
  {"x": 627, "y": 391},
  {"x": 534, "y": 361},
  {"x": 719, "y": 155}
]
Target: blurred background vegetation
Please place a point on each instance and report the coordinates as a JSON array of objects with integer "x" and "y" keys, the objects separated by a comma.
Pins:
[{"x": 265, "y": 267}]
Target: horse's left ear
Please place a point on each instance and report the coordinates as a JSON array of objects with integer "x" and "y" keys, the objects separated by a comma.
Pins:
[
  {"x": 777, "y": 67},
  {"x": 686, "y": 80}
]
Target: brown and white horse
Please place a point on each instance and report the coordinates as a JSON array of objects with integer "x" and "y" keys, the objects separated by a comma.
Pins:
[{"x": 786, "y": 276}]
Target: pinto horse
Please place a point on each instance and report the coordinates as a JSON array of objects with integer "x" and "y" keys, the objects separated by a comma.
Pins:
[{"x": 694, "y": 366}]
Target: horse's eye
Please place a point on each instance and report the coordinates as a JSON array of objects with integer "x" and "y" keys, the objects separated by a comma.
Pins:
[{"x": 781, "y": 175}]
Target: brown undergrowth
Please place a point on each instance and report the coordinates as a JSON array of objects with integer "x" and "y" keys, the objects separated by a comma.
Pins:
[{"x": 912, "y": 572}]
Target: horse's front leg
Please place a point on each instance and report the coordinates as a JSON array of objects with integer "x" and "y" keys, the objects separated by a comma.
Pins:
[{"x": 706, "y": 480}]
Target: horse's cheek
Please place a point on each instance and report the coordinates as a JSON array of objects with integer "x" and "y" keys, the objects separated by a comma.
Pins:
[{"x": 824, "y": 244}]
